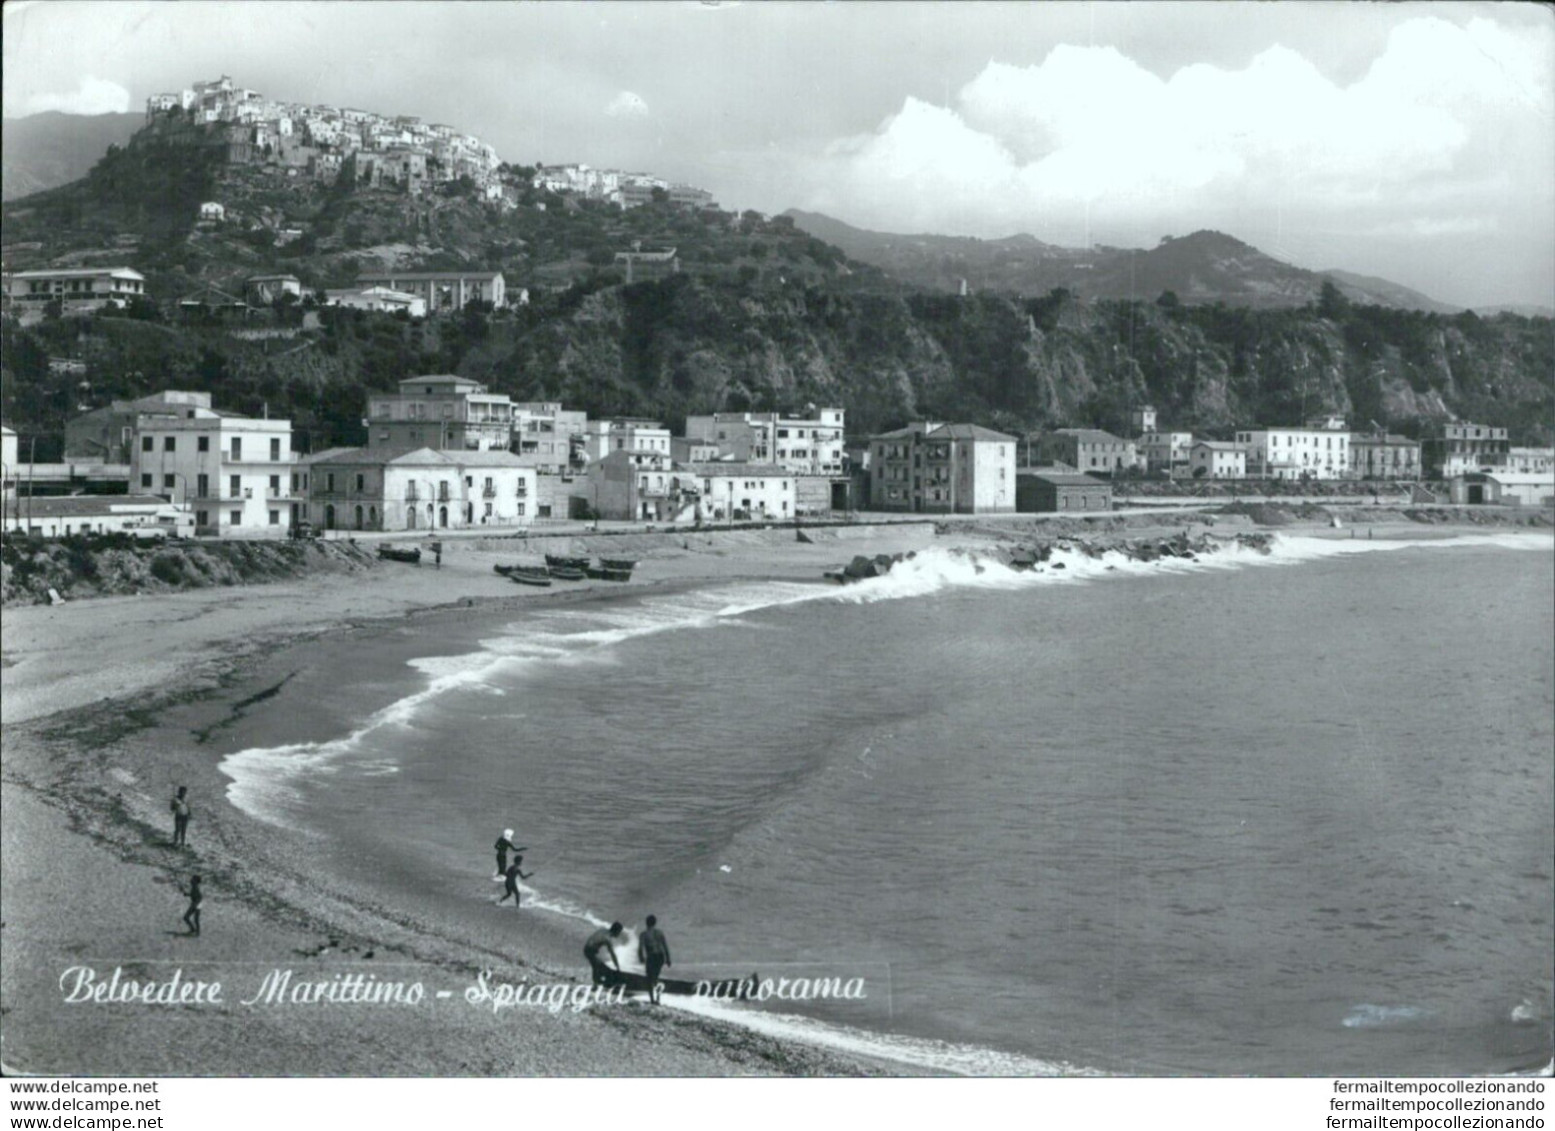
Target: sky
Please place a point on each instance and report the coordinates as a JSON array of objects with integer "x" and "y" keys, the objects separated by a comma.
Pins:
[{"x": 1410, "y": 141}]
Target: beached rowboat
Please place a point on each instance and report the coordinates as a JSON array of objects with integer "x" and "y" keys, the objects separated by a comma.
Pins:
[
  {"x": 625, "y": 564},
  {"x": 723, "y": 989},
  {"x": 568, "y": 573},
  {"x": 609, "y": 574},
  {"x": 555, "y": 560},
  {"x": 395, "y": 554},
  {"x": 529, "y": 575}
]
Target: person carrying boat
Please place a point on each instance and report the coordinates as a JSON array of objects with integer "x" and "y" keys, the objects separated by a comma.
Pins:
[
  {"x": 513, "y": 874},
  {"x": 654, "y": 951},
  {"x": 598, "y": 941},
  {"x": 503, "y": 846}
]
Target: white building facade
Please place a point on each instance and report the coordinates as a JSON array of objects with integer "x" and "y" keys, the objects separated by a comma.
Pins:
[
  {"x": 234, "y": 472},
  {"x": 420, "y": 489}
]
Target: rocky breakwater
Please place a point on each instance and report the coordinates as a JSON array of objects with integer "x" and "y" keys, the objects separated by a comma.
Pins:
[{"x": 1030, "y": 555}]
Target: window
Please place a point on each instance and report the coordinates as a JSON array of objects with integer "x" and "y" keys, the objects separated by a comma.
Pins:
[
  {"x": 202, "y": 518},
  {"x": 167, "y": 482},
  {"x": 360, "y": 481},
  {"x": 275, "y": 518},
  {"x": 275, "y": 484},
  {"x": 275, "y": 447},
  {"x": 202, "y": 444},
  {"x": 329, "y": 481},
  {"x": 235, "y": 518},
  {"x": 145, "y": 480},
  {"x": 236, "y": 484},
  {"x": 237, "y": 447},
  {"x": 521, "y": 510},
  {"x": 148, "y": 443}
]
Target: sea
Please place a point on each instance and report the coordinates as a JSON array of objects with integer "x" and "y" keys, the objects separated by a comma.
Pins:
[{"x": 1280, "y": 814}]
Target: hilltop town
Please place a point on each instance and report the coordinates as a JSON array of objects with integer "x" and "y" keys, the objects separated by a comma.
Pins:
[{"x": 265, "y": 318}]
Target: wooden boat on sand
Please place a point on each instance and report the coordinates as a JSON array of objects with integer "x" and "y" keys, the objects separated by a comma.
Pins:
[
  {"x": 722, "y": 989},
  {"x": 398, "y": 554}
]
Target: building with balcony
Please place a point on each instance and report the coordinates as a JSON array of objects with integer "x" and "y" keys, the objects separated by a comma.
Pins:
[
  {"x": 942, "y": 469},
  {"x": 1381, "y": 455},
  {"x": 262, "y": 290},
  {"x": 811, "y": 444},
  {"x": 1530, "y": 461},
  {"x": 549, "y": 436},
  {"x": 1164, "y": 453},
  {"x": 79, "y": 290},
  {"x": 442, "y": 291},
  {"x": 637, "y": 485},
  {"x": 442, "y": 412},
  {"x": 1455, "y": 448},
  {"x": 419, "y": 489},
  {"x": 1321, "y": 450},
  {"x": 234, "y": 471}
]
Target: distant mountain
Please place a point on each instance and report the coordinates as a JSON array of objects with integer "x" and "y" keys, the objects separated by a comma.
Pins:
[
  {"x": 1385, "y": 293},
  {"x": 45, "y": 151},
  {"x": 1203, "y": 268},
  {"x": 1525, "y": 309}
]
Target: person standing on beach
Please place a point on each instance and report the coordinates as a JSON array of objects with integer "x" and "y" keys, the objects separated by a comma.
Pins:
[
  {"x": 503, "y": 846},
  {"x": 598, "y": 941},
  {"x": 654, "y": 951},
  {"x": 180, "y": 808},
  {"x": 512, "y": 876},
  {"x": 192, "y": 915}
]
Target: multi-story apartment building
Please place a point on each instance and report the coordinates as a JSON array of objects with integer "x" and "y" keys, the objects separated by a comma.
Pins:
[
  {"x": 636, "y": 485},
  {"x": 1164, "y": 452},
  {"x": 1456, "y": 448},
  {"x": 440, "y": 411},
  {"x": 1213, "y": 459},
  {"x": 108, "y": 434},
  {"x": 942, "y": 469},
  {"x": 443, "y": 290},
  {"x": 548, "y": 436},
  {"x": 1321, "y": 450},
  {"x": 234, "y": 471},
  {"x": 601, "y": 437},
  {"x": 807, "y": 445},
  {"x": 1089, "y": 450},
  {"x": 422, "y": 489},
  {"x": 1381, "y": 455}
]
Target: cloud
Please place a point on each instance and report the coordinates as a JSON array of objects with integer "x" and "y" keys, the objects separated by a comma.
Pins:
[
  {"x": 627, "y": 105},
  {"x": 92, "y": 96},
  {"x": 1449, "y": 123}
]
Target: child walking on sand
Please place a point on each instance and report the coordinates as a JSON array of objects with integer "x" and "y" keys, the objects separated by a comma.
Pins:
[
  {"x": 180, "y": 808},
  {"x": 192, "y": 916},
  {"x": 513, "y": 875}
]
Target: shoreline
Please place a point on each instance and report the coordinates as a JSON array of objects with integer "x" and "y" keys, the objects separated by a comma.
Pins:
[{"x": 86, "y": 782}]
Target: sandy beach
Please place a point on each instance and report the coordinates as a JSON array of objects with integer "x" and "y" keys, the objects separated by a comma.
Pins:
[
  {"x": 110, "y": 703},
  {"x": 103, "y": 704}
]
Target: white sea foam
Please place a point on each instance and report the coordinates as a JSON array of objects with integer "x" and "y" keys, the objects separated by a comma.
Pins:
[
  {"x": 919, "y": 1052},
  {"x": 266, "y": 781}
]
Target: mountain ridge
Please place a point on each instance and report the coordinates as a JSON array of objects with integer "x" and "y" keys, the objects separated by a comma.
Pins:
[{"x": 1204, "y": 266}]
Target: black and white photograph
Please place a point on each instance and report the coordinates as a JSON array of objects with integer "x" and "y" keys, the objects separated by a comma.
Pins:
[{"x": 724, "y": 539}]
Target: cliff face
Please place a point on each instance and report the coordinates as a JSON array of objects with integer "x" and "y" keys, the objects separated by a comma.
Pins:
[{"x": 686, "y": 345}]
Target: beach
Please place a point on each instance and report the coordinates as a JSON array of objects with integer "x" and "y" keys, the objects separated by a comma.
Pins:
[
  {"x": 91, "y": 878},
  {"x": 111, "y": 703}
]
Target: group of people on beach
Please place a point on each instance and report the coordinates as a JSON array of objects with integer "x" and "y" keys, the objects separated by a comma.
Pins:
[
  {"x": 653, "y": 949},
  {"x": 182, "y": 811}
]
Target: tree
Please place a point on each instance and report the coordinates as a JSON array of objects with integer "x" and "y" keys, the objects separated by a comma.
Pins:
[
  {"x": 1169, "y": 301},
  {"x": 1331, "y": 303}
]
